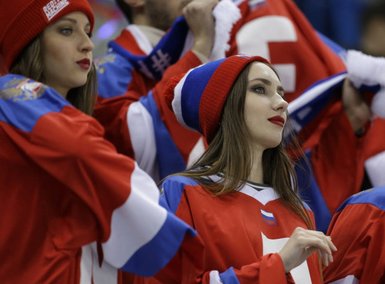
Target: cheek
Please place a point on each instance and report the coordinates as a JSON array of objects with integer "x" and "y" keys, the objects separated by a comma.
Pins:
[
  {"x": 254, "y": 107},
  {"x": 56, "y": 53},
  {"x": 252, "y": 116},
  {"x": 52, "y": 55}
]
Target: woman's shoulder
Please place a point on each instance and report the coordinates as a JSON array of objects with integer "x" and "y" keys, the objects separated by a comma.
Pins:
[
  {"x": 37, "y": 109},
  {"x": 180, "y": 179},
  {"x": 20, "y": 88},
  {"x": 23, "y": 101}
]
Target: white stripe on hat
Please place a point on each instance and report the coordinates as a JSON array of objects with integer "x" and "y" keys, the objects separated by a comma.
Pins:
[{"x": 177, "y": 100}]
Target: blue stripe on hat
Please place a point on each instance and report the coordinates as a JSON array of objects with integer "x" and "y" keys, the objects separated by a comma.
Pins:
[{"x": 192, "y": 92}]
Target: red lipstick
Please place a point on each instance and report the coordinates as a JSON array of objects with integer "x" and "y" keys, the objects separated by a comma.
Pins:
[
  {"x": 84, "y": 63},
  {"x": 278, "y": 120}
]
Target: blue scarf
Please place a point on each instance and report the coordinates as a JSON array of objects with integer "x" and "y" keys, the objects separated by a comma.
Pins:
[{"x": 164, "y": 54}]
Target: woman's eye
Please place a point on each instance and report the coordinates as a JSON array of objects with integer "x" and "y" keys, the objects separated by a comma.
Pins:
[
  {"x": 66, "y": 31},
  {"x": 258, "y": 89}
]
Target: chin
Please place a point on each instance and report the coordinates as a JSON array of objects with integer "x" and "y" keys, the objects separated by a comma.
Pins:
[
  {"x": 272, "y": 146},
  {"x": 79, "y": 83},
  {"x": 273, "y": 143}
]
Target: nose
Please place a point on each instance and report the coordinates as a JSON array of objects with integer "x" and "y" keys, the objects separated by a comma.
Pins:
[
  {"x": 280, "y": 103},
  {"x": 86, "y": 44}
]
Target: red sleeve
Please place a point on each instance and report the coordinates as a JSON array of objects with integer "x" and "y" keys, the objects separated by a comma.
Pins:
[
  {"x": 358, "y": 233},
  {"x": 70, "y": 147},
  {"x": 112, "y": 114},
  {"x": 269, "y": 269}
]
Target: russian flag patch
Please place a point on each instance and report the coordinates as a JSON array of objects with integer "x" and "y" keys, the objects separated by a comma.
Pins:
[{"x": 268, "y": 217}]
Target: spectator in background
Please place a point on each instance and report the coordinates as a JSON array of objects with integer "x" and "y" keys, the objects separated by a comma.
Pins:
[
  {"x": 147, "y": 52},
  {"x": 372, "y": 39},
  {"x": 372, "y": 42}
]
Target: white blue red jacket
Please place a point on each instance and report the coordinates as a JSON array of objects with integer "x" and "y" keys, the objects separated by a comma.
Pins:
[
  {"x": 63, "y": 186},
  {"x": 240, "y": 235}
]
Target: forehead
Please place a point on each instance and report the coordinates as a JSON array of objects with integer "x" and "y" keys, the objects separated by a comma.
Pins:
[
  {"x": 261, "y": 70},
  {"x": 76, "y": 17}
]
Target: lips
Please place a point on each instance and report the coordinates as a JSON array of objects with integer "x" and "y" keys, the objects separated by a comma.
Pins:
[
  {"x": 278, "y": 120},
  {"x": 84, "y": 63}
]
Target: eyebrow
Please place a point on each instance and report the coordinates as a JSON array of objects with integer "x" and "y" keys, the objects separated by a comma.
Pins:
[
  {"x": 267, "y": 82},
  {"x": 72, "y": 21}
]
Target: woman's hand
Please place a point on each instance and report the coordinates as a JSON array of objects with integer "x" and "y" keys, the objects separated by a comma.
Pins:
[{"x": 302, "y": 244}]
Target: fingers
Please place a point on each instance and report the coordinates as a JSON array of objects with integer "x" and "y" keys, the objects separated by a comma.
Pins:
[
  {"x": 329, "y": 257},
  {"x": 316, "y": 241},
  {"x": 302, "y": 244},
  {"x": 199, "y": 7},
  {"x": 333, "y": 247}
]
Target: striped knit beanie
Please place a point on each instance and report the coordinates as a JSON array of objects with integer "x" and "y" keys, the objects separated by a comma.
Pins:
[{"x": 198, "y": 98}]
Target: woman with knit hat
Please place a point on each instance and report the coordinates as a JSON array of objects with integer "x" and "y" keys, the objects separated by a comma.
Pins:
[
  {"x": 240, "y": 195},
  {"x": 63, "y": 187}
]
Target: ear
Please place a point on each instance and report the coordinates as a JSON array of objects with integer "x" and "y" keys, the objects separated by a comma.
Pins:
[{"x": 134, "y": 3}]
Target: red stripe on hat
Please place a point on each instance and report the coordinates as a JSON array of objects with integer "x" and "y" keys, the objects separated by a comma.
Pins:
[{"x": 216, "y": 92}]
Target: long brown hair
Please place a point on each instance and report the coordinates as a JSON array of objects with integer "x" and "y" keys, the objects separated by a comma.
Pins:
[
  {"x": 30, "y": 64},
  {"x": 229, "y": 153}
]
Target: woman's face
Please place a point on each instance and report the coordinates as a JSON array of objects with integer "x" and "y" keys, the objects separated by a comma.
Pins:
[
  {"x": 67, "y": 52},
  {"x": 265, "y": 107}
]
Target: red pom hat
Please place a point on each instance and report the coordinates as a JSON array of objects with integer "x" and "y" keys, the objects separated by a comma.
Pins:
[
  {"x": 198, "y": 98},
  {"x": 22, "y": 20}
]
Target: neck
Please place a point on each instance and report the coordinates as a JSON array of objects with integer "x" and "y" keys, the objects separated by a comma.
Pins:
[
  {"x": 154, "y": 35},
  {"x": 63, "y": 92},
  {"x": 140, "y": 19},
  {"x": 256, "y": 173}
]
